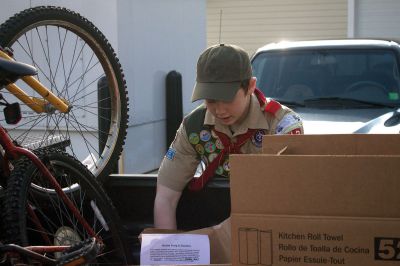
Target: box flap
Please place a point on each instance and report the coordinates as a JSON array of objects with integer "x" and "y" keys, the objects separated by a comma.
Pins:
[
  {"x": 340, "y": 144},
  {"x": 353, "y": 186},
  {"x": 219, "y": 235}
]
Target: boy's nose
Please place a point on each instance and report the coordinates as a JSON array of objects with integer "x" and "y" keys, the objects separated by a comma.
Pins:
[{"x": 219, "y": 108}]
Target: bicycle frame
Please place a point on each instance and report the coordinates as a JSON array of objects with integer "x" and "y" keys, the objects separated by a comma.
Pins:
[
  {"x": 14, "y": 152},
  {"x": 36, "y": 104}
]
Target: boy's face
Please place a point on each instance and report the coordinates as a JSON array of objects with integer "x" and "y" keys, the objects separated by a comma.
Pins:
[{"x": 230, "y": 113}]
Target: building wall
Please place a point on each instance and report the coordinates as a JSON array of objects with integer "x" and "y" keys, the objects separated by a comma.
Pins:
[
  {"x": 254, "y": 23},
  {"x": 103, "y": 16},
  {"x": 379, "y": 19},
  {"x": 154, "y": 38}
]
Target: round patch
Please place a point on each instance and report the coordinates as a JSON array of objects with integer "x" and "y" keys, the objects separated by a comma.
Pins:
[
  {"x": 219, "y": 170},
  {"x": 209, "y": 147},
  {"x": 194, "y": 138},
  {"x": 226, "y": 165},
  {"x": 256, "y": 139},
  {"x": 199, "y": 149},
  {"x": 212, "y": 156},
  {"x": 205, "y": 135},
  {"x": 219, "y": 144}
]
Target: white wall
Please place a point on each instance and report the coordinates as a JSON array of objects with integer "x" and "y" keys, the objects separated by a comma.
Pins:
[
  {"x": 154, "y": 38},
  {"x": 151, "y": 38},
  {"x": 102, "y": 13},
  {"x": 377, "y": 19}
]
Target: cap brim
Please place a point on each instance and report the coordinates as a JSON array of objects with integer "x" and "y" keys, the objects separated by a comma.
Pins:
[{"x": 218, "y": 91}]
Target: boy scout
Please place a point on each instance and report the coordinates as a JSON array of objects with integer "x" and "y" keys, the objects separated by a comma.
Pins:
[{"x": 233, "y": 118}]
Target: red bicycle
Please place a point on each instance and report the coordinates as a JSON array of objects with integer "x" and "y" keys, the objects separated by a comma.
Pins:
[{"x": 51, "y": 202}]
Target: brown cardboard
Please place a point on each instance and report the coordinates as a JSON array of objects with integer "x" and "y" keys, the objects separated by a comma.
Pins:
[
  {"x": 307, "y": 240},
  {"x": 340, "y": 144},
  {"x": 219, "y": 236},
  {"x": 302, "y": 209},
  {"x": 316, "y": 185}
]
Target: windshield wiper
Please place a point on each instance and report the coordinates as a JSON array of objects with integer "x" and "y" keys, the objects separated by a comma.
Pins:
[{"x": 345, "y": 101}]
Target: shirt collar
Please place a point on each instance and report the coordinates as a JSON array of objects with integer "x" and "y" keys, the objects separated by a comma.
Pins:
[{"x": 255, "y": 119}]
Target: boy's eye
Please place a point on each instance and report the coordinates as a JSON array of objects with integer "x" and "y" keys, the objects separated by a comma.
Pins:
[{"x": 210, "y": 101}]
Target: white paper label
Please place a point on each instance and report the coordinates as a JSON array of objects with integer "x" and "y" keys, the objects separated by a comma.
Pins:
[{"x": 165, "y": 249}]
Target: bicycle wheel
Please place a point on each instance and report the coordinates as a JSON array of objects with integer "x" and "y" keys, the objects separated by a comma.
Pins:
[
  {"x": 30, "y": 199},
  {"x": 76, "y": 62}
]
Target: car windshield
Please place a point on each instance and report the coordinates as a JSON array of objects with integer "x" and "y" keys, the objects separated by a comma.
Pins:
[{"x": 323, "y": 76}]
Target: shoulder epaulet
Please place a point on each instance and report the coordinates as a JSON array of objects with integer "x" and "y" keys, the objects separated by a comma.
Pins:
[{"x": 272, "y": 107}]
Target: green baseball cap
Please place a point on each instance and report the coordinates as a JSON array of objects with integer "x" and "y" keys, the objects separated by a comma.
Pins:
[{"x": 220, "y": 70}]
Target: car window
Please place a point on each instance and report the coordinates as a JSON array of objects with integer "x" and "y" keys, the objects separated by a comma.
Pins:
[{"x": 296, "y": 75}]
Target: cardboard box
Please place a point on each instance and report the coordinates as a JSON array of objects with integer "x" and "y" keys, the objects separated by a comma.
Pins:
[
  {"x": 343, "y": 144},
  {"x": 302, "y": 209},
  {"x": 219, "y": 236}
]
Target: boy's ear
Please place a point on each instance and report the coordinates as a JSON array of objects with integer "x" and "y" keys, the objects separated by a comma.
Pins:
[{"x": 252, "y": 85}]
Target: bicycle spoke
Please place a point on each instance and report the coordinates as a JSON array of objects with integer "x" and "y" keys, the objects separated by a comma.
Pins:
[
  {"x": 72, "y": 67},
  {"x": 35, "y": 63},
  {"x": 87, "y": 69},
  {"x": 70, "y": 60},
  {"x": 100, "y": 116},
  {"x": 85, "y": 140},
  {"x": 26, "y": 133}
]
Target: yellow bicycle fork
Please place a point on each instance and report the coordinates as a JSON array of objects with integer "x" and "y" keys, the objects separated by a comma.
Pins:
[{"x": 36, "y": 104}]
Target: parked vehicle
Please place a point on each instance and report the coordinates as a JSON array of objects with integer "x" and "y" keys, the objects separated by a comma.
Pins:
[{"x": 337, "y": 86}]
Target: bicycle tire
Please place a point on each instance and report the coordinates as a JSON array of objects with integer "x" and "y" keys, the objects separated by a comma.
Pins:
[
  {"x": 71, "y": 55},
  {"x": 27, "y": 186}
]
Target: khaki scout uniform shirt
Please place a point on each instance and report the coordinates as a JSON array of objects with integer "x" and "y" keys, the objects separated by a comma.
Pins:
[{"x": 177, "y": 170}]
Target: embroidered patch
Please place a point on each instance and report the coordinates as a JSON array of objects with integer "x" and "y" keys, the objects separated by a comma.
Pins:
[
  {"x": 199, "y": 149},
  {"x": 219, "y": 170},
  {"x": 170, "y": 155},
  {"x": 194, "y": 138},
  {"x": 296, "y": 131},
  {"x": 256, "y": 139},
  {"x": 205, "y": 135},
  {"x": 209, "y": 147},
  {"x": 212, "y": 156},
  {"x": 226, "y": 165},
  {"x": 288, "y": 123},
  {"x": 219, "y": 144}
]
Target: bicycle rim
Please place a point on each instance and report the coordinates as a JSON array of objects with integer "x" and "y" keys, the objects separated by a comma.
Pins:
[
  {"x": 58, "y": 226},
  {"x": 76, "y": 62}
]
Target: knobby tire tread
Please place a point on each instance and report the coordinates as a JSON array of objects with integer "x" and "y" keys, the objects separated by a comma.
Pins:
[
  {"x": 14, "y": 204},
  {"x": 20, "y": 22}
]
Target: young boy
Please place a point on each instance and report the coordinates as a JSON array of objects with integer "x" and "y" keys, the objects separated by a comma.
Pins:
[{"x": 234, "y": 117}]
